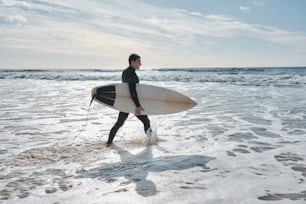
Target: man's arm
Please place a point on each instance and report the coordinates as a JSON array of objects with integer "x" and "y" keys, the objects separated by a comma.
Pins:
[
  {"x": 129, "y": 77},
  {"x": 133, "y": 92}
]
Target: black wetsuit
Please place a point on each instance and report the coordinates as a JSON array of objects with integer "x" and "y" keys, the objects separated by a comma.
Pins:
[{"x": 129, "y": 76}]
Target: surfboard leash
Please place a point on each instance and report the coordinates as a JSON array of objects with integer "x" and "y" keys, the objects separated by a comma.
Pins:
[{"x": 88, "y": 110}]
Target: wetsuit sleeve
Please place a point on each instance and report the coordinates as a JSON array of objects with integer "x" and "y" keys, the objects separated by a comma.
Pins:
[
  {"x": 131, "y": 80},
  {"x": 133, "y": 92}
]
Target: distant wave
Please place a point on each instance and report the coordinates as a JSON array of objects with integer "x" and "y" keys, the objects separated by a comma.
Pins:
[
  {"x": 236, "y": 70},
  {"x": 61, "y": 70},
  {"x": 293, "y": 76}
]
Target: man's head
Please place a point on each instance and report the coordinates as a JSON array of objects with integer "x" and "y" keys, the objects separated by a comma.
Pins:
[{"x": 135, "y": 61}]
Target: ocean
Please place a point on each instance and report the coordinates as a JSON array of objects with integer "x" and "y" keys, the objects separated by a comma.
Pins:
[{"x": 243, "y": 143}]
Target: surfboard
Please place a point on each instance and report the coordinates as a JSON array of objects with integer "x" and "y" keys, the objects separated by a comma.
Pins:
[{"x": 154, "y": 100}]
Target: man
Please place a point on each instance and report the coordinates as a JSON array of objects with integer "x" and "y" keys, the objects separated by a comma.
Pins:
[{"x": 129, "y": 76}]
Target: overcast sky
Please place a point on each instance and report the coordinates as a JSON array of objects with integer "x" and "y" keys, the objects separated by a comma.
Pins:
[{"x": 166, "y": 33}]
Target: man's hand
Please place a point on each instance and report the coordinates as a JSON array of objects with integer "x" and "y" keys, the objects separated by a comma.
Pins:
[{"x": 138, "y": 110}]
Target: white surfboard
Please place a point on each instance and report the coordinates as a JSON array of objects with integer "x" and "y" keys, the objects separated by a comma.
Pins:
[{"x": 154, "y": 100}]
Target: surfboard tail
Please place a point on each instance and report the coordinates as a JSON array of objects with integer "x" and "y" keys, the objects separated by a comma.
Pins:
[{"x": 104, "y": 94}]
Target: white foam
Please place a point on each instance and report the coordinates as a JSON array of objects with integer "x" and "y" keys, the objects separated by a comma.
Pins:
[{"x": 238, "y": 145}]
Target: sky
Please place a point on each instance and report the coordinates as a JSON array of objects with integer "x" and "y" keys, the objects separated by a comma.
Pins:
[{"x": 165, "y": 33}]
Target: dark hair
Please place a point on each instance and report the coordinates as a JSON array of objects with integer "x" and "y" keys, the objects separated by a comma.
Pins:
[{"x": 133, "y": 57}]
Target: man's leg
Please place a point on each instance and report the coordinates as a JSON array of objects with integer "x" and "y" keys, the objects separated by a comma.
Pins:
[
  {"x": 120, "y": 121},
  {"x": 145, "y": 120},
  {"x": 146, "y": 124}
]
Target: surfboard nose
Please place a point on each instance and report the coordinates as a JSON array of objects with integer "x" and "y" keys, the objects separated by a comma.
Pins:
[{"x": 194, "y": 103}]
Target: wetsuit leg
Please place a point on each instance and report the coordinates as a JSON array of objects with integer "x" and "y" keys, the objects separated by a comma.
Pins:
[
  {"x": 145, "y": 120},
  {"x": 120, "y": 121}
]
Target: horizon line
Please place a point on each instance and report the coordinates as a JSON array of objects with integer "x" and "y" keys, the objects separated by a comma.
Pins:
[{"x": 152, "y": 68}]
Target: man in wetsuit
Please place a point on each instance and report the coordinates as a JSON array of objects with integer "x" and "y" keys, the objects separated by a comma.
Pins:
[{"x": 129, "y": 76}]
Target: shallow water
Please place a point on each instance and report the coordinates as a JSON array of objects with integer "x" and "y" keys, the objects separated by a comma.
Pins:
[{"x": 243, "y": 143}]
